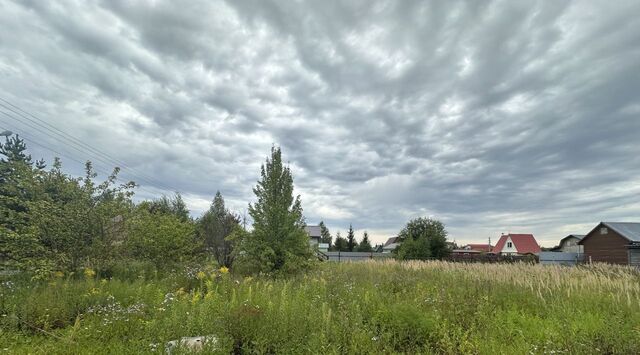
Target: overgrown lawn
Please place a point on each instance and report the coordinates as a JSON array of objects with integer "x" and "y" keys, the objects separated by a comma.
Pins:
[{"x": 373, "y": 307}]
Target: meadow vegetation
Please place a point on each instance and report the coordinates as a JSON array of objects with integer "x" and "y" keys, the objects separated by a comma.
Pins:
[
  {"x": 369, "y": 307},
  {"x": 86, "y": 269}
]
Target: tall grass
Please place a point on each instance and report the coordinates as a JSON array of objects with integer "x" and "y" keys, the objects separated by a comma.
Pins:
[{"x": 371, "y": 307}]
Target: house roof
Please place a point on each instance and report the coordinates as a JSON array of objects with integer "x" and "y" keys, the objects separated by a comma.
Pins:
[
  {"x": 577, "y": 236},
  {"x": 479, "y": 247},
  {"x": 524, "y": 243},
  {"x": 628, "y": 230},
  {"x": 392, "y": 240},
  {"x": 559, "y": 246},
  {"x": 313, "y": 231}
]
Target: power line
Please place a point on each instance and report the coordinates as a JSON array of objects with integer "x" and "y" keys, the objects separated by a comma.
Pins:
[
  {"x": 79, "y": 145},
  {"x": 64, "y": 135},
  {"x": 68, "y": 156},
  {"x": 69, "y": 138},
  {"x": 39, "y": 130}
]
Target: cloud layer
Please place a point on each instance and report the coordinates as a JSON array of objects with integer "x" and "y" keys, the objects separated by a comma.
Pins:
[{"x": 496, "y": 116}]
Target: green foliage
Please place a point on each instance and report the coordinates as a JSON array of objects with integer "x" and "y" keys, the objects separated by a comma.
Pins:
[
  {"x": 325, "y": 236},
  {"x": 423, "y": 238},
  {"x": 365, "y": 244},
  {"x": 13, "y": 150},
  {"x": 51, "y": 221},
  {"x": 414, "y": 249},
  {"x": 164, "y": 239},
  {"x": 168, "y": 205},
  {"x": 278, "y": 241},
  {"x": 214, "y": 227},
  {"x": 340, "y": 243},
  {"x": 351, "y": 239}
]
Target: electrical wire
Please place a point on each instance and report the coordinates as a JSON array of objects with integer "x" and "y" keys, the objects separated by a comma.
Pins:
[
  {"x": 70, "y": 157},
  {"x": 38, "y": 124}
]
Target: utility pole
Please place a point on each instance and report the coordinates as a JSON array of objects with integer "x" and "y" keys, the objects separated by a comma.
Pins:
[{"x": 244, "y": 219}]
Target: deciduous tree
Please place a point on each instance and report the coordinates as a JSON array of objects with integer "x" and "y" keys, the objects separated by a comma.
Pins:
[{"x": 423, "y": 238}]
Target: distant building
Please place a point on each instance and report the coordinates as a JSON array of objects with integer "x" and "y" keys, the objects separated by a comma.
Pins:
[
  {"x": 569, "y": 244},
  {"x": 465, "y": 252},
  {"x": 391, "y": 244},
  {"x": 516, "y": 244},
  {"x": 315, "y": 234},
  {"x": 613, "y": 242},
  {"x": 315, "y": 238},
  {"x": 482, "y": 248}
]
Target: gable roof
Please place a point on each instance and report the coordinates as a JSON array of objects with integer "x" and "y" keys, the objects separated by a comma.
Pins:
[
  {"x": 577, "y": 236},
  {"x": 559, "y": 246},
  {"x": 313, "y": 231},
  {"x": 392, "y": 240},
  {"x": 627, "y": 230},
  {"x": 524, "y": 243}
]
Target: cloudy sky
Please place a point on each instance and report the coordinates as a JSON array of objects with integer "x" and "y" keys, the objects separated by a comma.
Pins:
[{"x": 492, "y": 116}]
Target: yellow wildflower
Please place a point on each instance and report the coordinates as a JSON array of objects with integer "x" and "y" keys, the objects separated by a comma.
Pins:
[
  {"x": 181, "y": 292},
  {"x": 89, "y": 273},
  {"x": 224, "y": 270},
  {"x": 196, "y": 297},
  {"x": 201, "y": 275},
  {"x": 58, "y": 274}
]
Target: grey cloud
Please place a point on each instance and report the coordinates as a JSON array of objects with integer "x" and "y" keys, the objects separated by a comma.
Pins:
[{"x": 489, "y": 115}]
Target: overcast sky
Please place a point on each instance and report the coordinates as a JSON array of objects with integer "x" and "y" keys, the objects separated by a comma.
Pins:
[{"x": 492, "y": 116}]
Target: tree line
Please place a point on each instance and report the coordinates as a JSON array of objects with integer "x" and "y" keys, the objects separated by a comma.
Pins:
[
  {"x": 422, "y": 239},
  {"x": 350, "y": 243},
  {"x": 53, "y": 222}
]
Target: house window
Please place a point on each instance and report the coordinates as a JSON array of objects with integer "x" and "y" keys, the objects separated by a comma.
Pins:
[
  {"x": 604, "y": 230},
  {"x": 509, "y": 245}
]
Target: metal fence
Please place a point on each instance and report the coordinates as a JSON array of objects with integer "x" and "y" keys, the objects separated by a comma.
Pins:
[
  {"x": 557, "y": 258},
  {"x": 491, "y": 258},
  {"x": 355, "y": 256}
]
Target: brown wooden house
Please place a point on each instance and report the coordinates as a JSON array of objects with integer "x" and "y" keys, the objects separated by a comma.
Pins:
[{"x": 612, "y": 242}]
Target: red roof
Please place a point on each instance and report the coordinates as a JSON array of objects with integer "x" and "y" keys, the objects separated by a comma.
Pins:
[
  {"x": 479, "y": 247},
  {"x": 524, "y": 243}
]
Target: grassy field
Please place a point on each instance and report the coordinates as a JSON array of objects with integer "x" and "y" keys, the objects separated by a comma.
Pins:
[{"x": 413, "y": 307}]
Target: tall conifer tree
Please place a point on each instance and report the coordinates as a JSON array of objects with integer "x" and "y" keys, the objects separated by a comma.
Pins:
[
  {"x": 351, "y": 239},
  {"x": 278, "y": 240}
]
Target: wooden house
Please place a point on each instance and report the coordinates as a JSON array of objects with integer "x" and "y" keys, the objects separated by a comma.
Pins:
[{"x": 613, "y": 243}]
